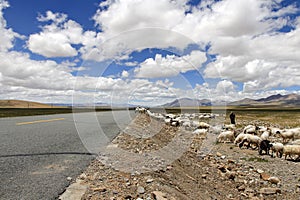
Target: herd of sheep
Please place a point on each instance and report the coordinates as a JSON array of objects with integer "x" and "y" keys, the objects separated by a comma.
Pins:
[{"x": 279, "y": 141}]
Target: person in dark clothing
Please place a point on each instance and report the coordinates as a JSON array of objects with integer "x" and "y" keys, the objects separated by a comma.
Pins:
[{"x": 232, "y": 118}]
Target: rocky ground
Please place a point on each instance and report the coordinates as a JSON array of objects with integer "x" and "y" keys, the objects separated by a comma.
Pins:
[{"x": 137, "y": 165}]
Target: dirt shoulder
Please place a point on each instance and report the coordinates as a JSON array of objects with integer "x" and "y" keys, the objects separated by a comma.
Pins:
[{"x": 227, "y": 172}]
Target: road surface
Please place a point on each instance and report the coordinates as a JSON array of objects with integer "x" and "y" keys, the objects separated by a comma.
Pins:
[{"x": 38, "y": 153}]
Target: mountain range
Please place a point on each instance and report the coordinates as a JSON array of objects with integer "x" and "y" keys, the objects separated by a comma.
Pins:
[{"x": 273, "y": 100}]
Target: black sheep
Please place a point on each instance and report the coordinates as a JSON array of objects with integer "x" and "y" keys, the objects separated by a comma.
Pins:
[{"x": 264, "y": 146}]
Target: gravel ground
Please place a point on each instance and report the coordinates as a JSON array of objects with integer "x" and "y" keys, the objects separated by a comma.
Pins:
[{"x": 145, "y": 171}]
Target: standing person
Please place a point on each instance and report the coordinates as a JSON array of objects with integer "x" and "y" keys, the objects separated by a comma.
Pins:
[{"x": 232, "y": 118}]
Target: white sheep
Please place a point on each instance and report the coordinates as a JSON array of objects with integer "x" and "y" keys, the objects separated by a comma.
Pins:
[
  {"x": 203, "y": 125},
  {"x": 200, "y": 131},
  {"x": 251, "y": 139},
  {"x": 274, "y": 130},
  {"x": 265, "y": 135},
  {"x": 277, "y": 148},
  {"x": 240, "y": 138},
  {"x": 290, "y": 150},
  {"x": 296, "y": 142},
  {"x": 229, "y": 126},
  {"x": 287, "y": 135},
  {"x": 226, "y": 135},
  {"x": 251, "y": 130}
]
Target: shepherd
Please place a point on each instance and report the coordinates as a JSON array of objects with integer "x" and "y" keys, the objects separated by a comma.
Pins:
[{"x": 232, "y": 118}]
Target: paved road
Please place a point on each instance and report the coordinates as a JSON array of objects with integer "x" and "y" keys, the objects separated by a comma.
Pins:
[{"x": 38, "y": 153}]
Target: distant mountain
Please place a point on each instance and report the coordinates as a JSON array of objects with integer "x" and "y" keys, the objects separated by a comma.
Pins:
[
  {"x": 24, "y": 104},
  {"x": 187, "y": 102},
  {"x": 278, "y": 99}
]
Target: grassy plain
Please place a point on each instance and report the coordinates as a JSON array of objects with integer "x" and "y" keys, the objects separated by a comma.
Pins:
[
  {"x": 269, "y": 115},
  {"x": 15, "y": 112}
]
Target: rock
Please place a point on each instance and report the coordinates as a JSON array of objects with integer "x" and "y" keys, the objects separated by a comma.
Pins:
[
  {"x": 223, "y": 157},
  {"x": 241, "y": 188},
  {"x": 204, "y": 176},
  {"x": 230, "y": 175},
  {"x": 222, "y": 168},
  {"x": 158, "y": 195},
  {"x": 274, "y": 180},
  {"x": 218, "y": 154},
  {"x": 259, "y": 171},
  {"x": 264, "y": 176},
  {"x": 69, "y": 178},
  {"x": 150, "y": 180},
  {"x": 169, "y": 167},
  {"x": 83, "y": 176},
  {"x": 99, "y": 189},
  {"x": 249, "y": 190},
  {"x": 140, "y": 190},
  {"x": 230, "y": 161},
  {"x": 268, "y": 191}
]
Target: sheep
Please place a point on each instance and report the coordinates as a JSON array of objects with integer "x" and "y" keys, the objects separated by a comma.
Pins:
[
  {"x": 290, "y": 150},
  {"x": 296, "y": 142},
  {"x": 203, "y": 125},
  {"x": 200, "y": 131},
  {"x": 239, "y": 138},
  {"x": 229, "y": 126},
  {"x": 287, "y": 135},
  {"x": 264, "y": 145},
  {"x": 251, "y": 139},
  {"x": 251, "y": 130},
  {"x": 265, "y": 135},
  {"x": 275, "y": 131},
  {"x": 226, "y": 135},
  {"x": 276, "y": 147}
]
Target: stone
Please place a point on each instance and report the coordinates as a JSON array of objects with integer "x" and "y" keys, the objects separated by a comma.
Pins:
[
  {"x": 241, "y": 188},
  {"x": 218, "y": 154},
  {"x": 264, "y": 176},
  {"x": 150, "y": 180},
  {"x": 268, "y": 191},
  {"x": 223, "y": 157},
  {"x": 274, "y": 180},
  {"x": 83, "y": 176},
  {"x": 204, "y": 176},
  {"x": 99, "y": 189},
  {"x": 140, "y": 190},
  {"x": 230, "y": 175},
  {"x": 69, "y": 178},
  {"x": 259, "y": 171},
  {"x": 230, "y": 161},
  {"x": 158, "y": 195}
]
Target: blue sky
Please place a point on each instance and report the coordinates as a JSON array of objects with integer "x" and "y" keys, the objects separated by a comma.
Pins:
[{"x": 154, "y": 51}]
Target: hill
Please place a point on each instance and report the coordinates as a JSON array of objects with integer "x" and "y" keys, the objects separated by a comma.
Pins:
[
  {"x": 275, "y": 100},
  {"x": 23, "y": 104},
  {"x": 187, "y": 102}
]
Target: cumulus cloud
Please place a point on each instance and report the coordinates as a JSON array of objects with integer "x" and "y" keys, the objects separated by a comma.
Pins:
[
  {"x": 7, "y": 35},
  {"x": 242, "y": 35},
  {"x": 171, "y": 65},
  {"x": 57, "y": 38}
]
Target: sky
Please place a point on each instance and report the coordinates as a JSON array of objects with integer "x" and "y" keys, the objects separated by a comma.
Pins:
[{"x": 146, "y": 52}]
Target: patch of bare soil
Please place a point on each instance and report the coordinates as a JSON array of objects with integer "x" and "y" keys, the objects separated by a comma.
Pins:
[{"x": 227, "y": 172}]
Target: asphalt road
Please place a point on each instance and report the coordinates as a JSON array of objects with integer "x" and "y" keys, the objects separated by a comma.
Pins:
[{"x": 38, "y": 153}]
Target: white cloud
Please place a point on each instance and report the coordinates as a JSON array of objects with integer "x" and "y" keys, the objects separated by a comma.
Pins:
[
  {"x": 171, "y": 65},
  {"x": 7, "y": 35},
  {"x": 56, "y": 39},
  {"x": 125, "y": 74}
]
